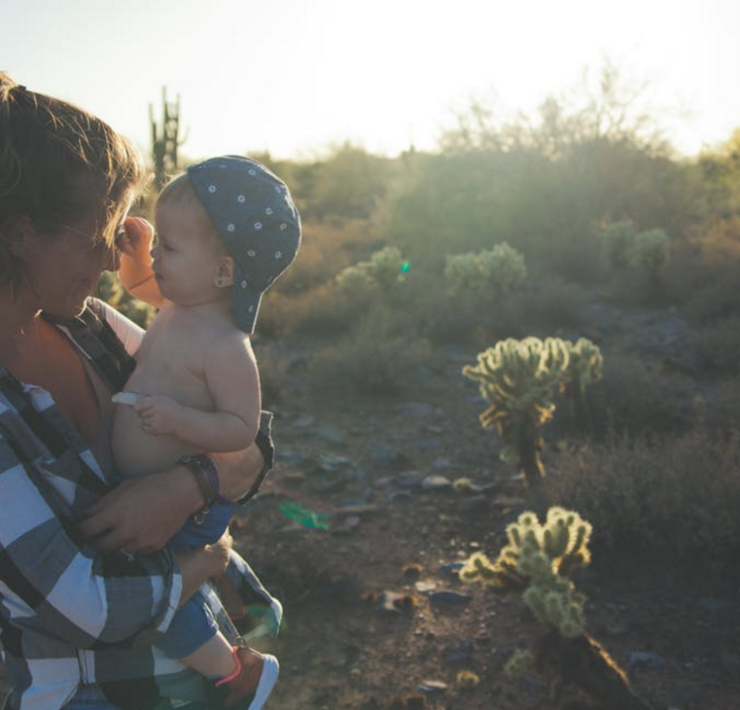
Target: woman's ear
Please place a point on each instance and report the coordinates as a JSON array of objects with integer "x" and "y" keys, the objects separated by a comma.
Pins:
[
  {"x": 21, "y": 236},
  {"x": 225, "y": 272}
]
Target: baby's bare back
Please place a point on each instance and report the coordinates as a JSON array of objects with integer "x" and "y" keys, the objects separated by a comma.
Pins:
[{"x": 171, "y": 361}]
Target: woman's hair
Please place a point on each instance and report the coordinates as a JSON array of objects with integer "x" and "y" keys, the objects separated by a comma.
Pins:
[{"x": 58, "y": 163}]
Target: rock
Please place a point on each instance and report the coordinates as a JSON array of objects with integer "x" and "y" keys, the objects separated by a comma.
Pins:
[
  {"x": 685, "y": 693},
  {"x": 330, "y": 434},
  {"x": 384, "y": 455},
  {"x": 508, "y": 502},
  {"x": 451, "y": 569},
  {"x": 304, "y": 421},
  {"x": 715, "y": 604},
  {"x": 450, "y": 598},
  {"x": 416, "y": 410},
  {"x": 400, "y": 497},
  {"x": 645, "y": 659},
  {"x": 358, "y": 509},
  {"x": 442, "y": 463},
  {"x": 425, "y": 585},
  {"x": 347, "y": 526},
  {"x": 459, "y": 653},
  {"x": 474, "y": 504},
  {"x": 436, "y": 483},
  {"x": 432, "y": 687},
  {"x": 409, "y": 479}
]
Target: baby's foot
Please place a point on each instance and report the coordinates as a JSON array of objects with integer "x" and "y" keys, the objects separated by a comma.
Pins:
[{"x": 249, "y": 686}]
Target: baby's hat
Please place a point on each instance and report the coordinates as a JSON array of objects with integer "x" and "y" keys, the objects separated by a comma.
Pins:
[{"x": 253, "y": 213}]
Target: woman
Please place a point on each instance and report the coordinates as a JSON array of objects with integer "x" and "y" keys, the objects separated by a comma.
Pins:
[{"x": 86, "y": 580}]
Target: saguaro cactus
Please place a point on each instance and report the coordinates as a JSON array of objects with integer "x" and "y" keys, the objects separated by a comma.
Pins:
[
  {"x": 165, "y": 139},
  {"x": 538, "y": 561}
]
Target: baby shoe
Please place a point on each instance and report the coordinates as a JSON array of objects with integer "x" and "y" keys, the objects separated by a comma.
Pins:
[{"x": 249, "y": 686}]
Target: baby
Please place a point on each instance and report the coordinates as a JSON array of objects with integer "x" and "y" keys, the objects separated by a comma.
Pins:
[{"x": 226, "y": 229}]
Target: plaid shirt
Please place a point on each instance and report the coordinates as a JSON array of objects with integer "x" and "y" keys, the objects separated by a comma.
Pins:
[{"x": 69, "y": 616}]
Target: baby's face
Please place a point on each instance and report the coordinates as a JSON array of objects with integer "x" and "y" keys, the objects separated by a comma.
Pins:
[{"x": 186, "y": 256}]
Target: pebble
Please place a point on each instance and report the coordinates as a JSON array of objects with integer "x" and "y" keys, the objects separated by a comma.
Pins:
[
  {"x": 451, "y": 568},
  {"x": 330, "y": 434},
  {"x": 459, "y": 653},
  {"x": 450, "y": 598},
  {"x": 645, "y": 659},
  {"x": 384, "y": 455},
  {"x": 475, "y": 504},
  {"x": 409, "y": 479},
  {"x": 432, "y": 687},
  {"x": 436, "y": 483},
  {"x": 416, "y": 410},
  {"x": 685, "y": 694}
]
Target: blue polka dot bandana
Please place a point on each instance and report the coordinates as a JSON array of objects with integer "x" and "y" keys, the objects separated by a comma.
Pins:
[{"x": 253, "y": 213}]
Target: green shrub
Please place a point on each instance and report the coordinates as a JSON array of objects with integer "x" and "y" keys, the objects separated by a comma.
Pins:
[
  {"x": 385, "y": 269},
  {"x": 718, "y": 346},
  {"x": 618, "y": 241},
  {"x": 651, "y": 252},
  {"x": 499, "y": 270},
  {"x": 374, "y": 359},
  {"x": 675, "y": 497},
  {"x": 634, "y": 397},
  {"x": 109, "y": 289}
]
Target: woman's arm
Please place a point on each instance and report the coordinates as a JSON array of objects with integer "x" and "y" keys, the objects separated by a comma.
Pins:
[{"x": 49, "y": 572}]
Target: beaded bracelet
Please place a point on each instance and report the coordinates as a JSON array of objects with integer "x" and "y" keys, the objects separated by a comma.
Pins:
[{"x": 206, "y": 476}]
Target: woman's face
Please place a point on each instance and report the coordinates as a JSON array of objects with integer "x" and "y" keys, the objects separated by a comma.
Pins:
[{"x": 61, "y": 270}]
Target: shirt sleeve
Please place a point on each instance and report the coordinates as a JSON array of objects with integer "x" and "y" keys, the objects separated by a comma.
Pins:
[
  {"x": 128, "y": 332},
  {"x": 50, "y": 579}
]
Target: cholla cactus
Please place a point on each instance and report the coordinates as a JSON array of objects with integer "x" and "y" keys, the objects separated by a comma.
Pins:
[
  {"x": 618, "y": 243},
  {"x": 538, "y": 561},
  {"x": 651, "y": 252},
  {"x": 385, "y": 269},
  {"x": 499, "y": 269},
  {"x": 519, "y": 379},
  {"x": 353, "y": 279},
  {"x": 585, "y": 366}
]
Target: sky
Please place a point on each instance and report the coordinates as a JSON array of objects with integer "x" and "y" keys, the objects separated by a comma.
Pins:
[{"x": 295, "y": 77}]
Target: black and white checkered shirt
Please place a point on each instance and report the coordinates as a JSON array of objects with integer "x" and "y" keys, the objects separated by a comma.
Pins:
[{"x": 70, "y": 616}]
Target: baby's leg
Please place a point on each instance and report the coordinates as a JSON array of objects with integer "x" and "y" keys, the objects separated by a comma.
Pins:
[
  {"x": 214, "y": 659},
  {"x": 193, "y": 637},
  {"x": 242, "y": 678}
]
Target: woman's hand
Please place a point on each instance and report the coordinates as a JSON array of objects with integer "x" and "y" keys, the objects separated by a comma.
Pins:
[
  {"x": 142, "y": 514},
  {"x": 135, "y": 242},
  {"x": 135, "y": 273}
]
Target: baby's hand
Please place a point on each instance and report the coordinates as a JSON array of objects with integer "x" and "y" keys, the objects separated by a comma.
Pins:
[
  {"x": 135, "y": 241},
  {"x": 159, "y": 414}
]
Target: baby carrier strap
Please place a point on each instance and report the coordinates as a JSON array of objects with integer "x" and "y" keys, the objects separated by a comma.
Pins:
[{"x": 94, "y": 335}]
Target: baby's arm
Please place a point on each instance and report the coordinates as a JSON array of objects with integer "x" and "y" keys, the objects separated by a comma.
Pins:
[
  {"x": 136, "y": 273},
  {"x": 233, "y": 381}
]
